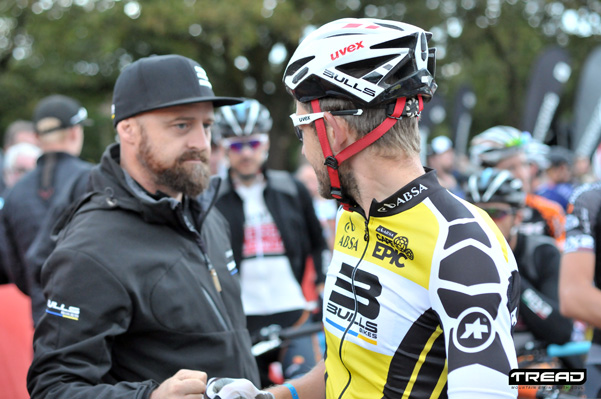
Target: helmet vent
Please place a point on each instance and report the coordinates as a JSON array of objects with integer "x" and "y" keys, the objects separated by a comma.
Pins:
[{"x": 401, "y": 42}]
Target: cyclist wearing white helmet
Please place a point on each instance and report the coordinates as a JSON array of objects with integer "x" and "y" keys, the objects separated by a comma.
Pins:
[
  {"x": 274, "y": 230},
  {"x": 505, "y": 147},
  {"x": 422, "y": 290}
]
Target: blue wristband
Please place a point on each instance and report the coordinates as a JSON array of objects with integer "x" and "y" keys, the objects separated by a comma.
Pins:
[{"x": 292, "y": 390}]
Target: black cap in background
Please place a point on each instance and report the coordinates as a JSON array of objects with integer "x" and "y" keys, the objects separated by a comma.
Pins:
[{"x": 57, "y": 112}]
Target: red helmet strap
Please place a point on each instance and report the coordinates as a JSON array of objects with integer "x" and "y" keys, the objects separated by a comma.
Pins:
[{"x": 332, "y": 162}]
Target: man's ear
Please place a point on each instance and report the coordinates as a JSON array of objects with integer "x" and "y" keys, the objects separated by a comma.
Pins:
[
  {"x": 338, "y": 133},
  {"x": 127, "y": 130}
]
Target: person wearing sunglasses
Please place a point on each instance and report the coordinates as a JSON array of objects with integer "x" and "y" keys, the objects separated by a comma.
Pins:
[
  {"x": 501, "y": 195},
  {"x": 274, "y": 231},
  {"x": 421, "y": 289}
]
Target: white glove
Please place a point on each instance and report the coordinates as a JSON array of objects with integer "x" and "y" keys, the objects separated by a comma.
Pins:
[{"x": 230, "y": 388}]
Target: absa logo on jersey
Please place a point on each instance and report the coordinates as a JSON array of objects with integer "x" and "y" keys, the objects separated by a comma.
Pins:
[{"x": 404, "y": 197}]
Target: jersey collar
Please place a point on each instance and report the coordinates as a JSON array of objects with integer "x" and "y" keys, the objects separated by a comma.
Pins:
[{"x": 408, "y": 196}]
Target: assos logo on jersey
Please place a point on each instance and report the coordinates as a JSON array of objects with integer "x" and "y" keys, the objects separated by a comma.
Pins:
[
  {"x": 403, "y": 198},
  {"x": 346, "y": 50}
]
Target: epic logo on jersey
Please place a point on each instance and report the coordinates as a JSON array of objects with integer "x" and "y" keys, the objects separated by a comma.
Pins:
[
  {"x": 392, "y": 246},
  {"x": 342, "y": 303}
]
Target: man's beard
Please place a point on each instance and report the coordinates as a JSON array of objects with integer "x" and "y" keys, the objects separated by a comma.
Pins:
[
  {"x": 189, "y": 179},
  {"x": 350, "y": 188}
]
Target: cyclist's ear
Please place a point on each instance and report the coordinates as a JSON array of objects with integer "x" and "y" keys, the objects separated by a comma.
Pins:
[{"x": 338, "y": 132}]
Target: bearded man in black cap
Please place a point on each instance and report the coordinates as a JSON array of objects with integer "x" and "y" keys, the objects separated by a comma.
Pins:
[
  {"x": 143, "y": 292},
  {"x": 59, "y": 174}
]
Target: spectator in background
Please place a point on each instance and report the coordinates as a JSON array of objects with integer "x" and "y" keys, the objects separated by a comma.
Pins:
[
  {"x": 18, "y": 160},
  {"x": 58, "y": 122},
  {"x": 217, "y": 161},
  {"x": 19, "y": 131},
  {"x": 558, "y": 185},
  {"x": 324, "y": 208},
  {"x": 537, "y": 155},
  {"x": 441, "y": 157},
  {"x": 580, "y": 274},
  {"x": 16, "y": 329},
  {"x": 504, "y": 147},
  {"x": 274, "y": 231},
  {"x": 500, "y": 195}
]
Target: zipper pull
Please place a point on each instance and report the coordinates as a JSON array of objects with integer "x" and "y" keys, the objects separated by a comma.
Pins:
[
  {"x": 215, "y": 280},
  {"x": 366, "y": 236}
]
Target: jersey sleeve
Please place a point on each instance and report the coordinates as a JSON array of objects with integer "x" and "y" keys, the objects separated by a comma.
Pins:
[{"x": 474, "y": 289}]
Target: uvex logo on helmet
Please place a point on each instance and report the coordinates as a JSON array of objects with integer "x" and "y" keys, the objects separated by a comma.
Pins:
[{"x": 347, "y": 49}]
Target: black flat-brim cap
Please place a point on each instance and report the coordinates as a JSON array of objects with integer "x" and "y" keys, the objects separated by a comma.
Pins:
[
  {"x": 58, "y": 112},
  {"x": 162, "y": 81}
]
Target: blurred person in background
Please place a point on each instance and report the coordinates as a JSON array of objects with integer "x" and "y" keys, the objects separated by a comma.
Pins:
[
  {"x": 559, "y": 177},
  {"x": 58, "y": 122},
  {"x": 441, "y": 157},
  {"x": 580, "y": 274},
  {"x": 537, "y": 155},
  {"x": 20, "y": 131},
  {"x": 325, "y": 209},
  {"x": 275, "y": 231},
  {"x": 18, "y": 160},
  {"x": 16, "y": 329},
  {"x": 504, "y": 147},
  {"x": 501, "y": 195}
]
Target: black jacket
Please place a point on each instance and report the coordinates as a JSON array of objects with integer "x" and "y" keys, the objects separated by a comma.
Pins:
[
  {"x": 27, "y": 203},
  {"x": 291, "y": 207},
  {"x": 130, "y": 295}
]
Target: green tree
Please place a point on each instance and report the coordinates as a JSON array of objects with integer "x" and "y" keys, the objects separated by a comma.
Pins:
[{"x": 78, "y": 48}]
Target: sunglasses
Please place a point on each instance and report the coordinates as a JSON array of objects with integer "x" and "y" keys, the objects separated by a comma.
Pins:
[
  {"x": 305, "y": 119},
  {"x": 498, "y": 214},
  {"x": 238, "y": 145}
]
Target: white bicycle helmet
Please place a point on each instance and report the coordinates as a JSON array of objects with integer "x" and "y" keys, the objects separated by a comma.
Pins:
[
  {"x": 244, "y": 119},
  {"x": 497, "y": 143},
  {"x": 494, "y": 185},
  {"x": 370, "y": 62}
]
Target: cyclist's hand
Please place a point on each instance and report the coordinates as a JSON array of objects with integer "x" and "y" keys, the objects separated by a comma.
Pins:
[
  {"x": 189, "y": 384},
  {"x": 230, "y": 388}
]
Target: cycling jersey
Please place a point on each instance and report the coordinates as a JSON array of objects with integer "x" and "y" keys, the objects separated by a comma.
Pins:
[{"x": 420, "y": 299}]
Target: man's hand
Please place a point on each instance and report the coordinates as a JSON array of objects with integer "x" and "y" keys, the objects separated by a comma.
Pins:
[
  {"x": 229, "y": 388},
  {"x": 190, "y": 384}
]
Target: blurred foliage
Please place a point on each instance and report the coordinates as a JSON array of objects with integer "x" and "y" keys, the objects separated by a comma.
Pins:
[{"x": 77, "y": 47}]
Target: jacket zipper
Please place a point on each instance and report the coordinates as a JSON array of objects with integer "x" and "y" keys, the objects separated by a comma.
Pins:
[{"x": 214, "y": 308}]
